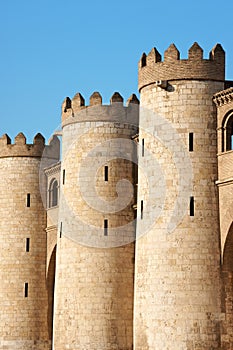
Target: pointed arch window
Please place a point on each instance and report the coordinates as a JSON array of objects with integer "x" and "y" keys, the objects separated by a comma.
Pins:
[{"x": 53, "y": 193}]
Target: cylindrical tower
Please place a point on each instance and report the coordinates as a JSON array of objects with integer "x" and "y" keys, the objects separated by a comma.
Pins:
[
  {"x": 177, "y": 287},
  {"x": 95, "y": 249},
  {"x": 23, "y": 289}
]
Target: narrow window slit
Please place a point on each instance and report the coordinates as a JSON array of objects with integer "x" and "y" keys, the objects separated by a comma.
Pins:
[
  {"x": 63, "y": 176},
  {"x": 106, "y": 173},
  {"x": 60, "y": 229},
  {"x": 141, "y": 209},
  {"x": 143, "y": 151},
  {"x": 191, "y": 142},
  {"x": 26, "y": 289},
  {"x": 27, "y": 244},
  {"x": 28, "y": 200},
  {"x": 105, "y": 227},
  {"x": 191, "y": 206}
]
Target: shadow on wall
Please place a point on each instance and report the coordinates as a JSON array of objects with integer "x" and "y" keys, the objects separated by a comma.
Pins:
[
  {"x": 50, "y": 289},
  {"x": 227, "y": 292}
]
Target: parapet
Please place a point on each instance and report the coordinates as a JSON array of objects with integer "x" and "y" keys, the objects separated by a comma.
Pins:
[
  {"x": 152, "y": 69},
  {"x": 75, "y": 110},
  {"x": 20, "y": 148}
]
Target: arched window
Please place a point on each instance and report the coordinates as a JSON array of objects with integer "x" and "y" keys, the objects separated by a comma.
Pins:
[
  {"x": 53, "y": 193},
  {"x": 227, "y": 132}
]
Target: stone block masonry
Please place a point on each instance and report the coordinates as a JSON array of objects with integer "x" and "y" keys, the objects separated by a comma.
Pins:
[{"x": 126, "y": 241}]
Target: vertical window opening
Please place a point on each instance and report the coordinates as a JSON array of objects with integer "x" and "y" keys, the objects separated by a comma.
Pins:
[
  {"x": 143, "y": 142},
  {"x": 105, "y": 227},
  {"x": 63, "y": 176},
  {"x": 223, "y": 138},
  {"x": 229, "y": 133},
  {"x": 231, "y": 136},
  {"x": 60, "y": 229},
  {"x": 106, "y": 173},
  {"x": 26, "y": 290},
  {"x": 28, "y": 200},
  {"x": 141, "y": 209},
  {"x": 191, "y": 206},
  {"x": 191, "y": 142},
  {"x": 53, "y": 193},
  {"x": 27, "y": 244}
]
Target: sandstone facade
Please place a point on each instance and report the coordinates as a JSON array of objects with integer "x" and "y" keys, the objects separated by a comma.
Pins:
[{"x": 126, "y": 242}]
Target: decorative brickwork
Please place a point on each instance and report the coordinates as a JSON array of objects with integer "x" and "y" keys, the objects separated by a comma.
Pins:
[
  {"x": 151, "y": 69},
  {"x": 223, "y": 97}
]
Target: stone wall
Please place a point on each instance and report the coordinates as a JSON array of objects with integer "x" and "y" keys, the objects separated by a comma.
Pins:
[
  {"x": 23, "y": 321},
  {"x": 177, "y": 287},
  {"x": 95, "y": 249}
]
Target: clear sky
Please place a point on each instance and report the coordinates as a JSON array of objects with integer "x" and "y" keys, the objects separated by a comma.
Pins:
[{"x": 51, "y": 49}]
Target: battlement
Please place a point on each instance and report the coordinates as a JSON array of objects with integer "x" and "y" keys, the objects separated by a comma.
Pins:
[
  {"x": 75, "y": 110},
  {"x": 152, "y": 69},
  {"x": 20, "y": 148}
]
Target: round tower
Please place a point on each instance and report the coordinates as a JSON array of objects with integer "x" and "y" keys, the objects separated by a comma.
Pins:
[
  {"x": 95, "y": 249},
  {"x": 23, "y": 289},
  {"x": 177, "y": 287}
]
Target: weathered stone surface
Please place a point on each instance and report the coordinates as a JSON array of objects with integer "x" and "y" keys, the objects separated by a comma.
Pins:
[{"x": 174, "y": 290}]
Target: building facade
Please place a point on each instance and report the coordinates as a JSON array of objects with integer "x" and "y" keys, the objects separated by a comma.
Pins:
[{"x": 125, "y": 241}]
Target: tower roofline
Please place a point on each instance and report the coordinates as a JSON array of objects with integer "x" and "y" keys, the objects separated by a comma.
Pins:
[
  {"x": 151, "y": 68},
  {"x": 75, "y": 110},
  {"x": 20, "y": 147}
]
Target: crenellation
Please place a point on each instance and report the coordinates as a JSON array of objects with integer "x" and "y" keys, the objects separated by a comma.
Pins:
[
  {"x": 5, "y": 140},
  {"x": 22, "y": 149},
  {"x": 133, "y": 99},
  {"x": 153, "y": 57},
  {"x": 51, "y": 151},
  {"x": 116, "y": 98},
  {"x": 77, "y": 103},
  {"x": 66, "y": 104},
  {"x": 143, "y": 60},
  {"x": 171, "y": 54},
  {"x": 39, "y": 139},
  {"x": 115, "y": 112},
  {"x": 95, "y": 99},
  {"x": 217, "y": 54},
  {"x": 20, "y": 139},
  {"x": 195, "y": 52},
  {"x": 173, "y": 68},
  {"x": 20, "y": 176},
  {"x": 68, "y": 226},
  {"x": 184, "y": 106},
  {"x": 100, "y": 279},
  {"x": 78, "y": 100}
]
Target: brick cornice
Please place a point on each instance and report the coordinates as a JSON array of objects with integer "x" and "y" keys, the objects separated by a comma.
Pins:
[{"x": 223, "y": 97}]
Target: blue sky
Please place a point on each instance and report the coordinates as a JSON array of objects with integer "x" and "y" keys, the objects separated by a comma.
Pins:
[{"x": 51, "y": 49}]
